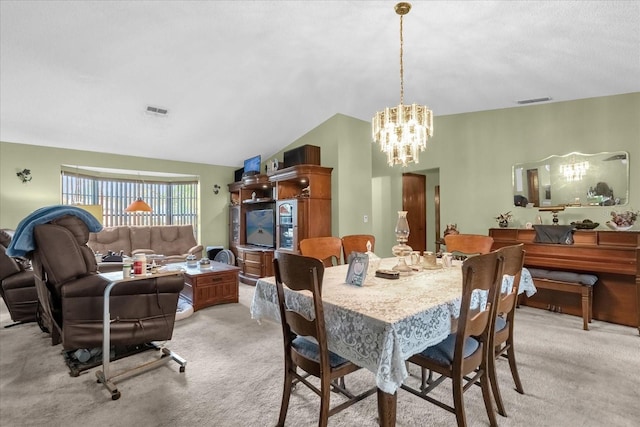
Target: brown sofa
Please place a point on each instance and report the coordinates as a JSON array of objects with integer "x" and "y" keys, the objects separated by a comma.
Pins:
[
  {"x": 173, "y": 241},
  {"x": 17, "y": 283}
]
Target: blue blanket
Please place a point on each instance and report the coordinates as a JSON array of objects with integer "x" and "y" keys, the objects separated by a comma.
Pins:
[{"x": 22, "y": 241}]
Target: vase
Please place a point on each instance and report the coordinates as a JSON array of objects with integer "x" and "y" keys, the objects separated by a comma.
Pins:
[
  {"x": 504, "y": 223},
  {"x": 402, "y": 250}
]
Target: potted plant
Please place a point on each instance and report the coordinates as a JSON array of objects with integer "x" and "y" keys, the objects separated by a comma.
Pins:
[{"x": 503, "y": 219}]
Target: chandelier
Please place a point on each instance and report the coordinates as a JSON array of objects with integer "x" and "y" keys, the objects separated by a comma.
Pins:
[
  {"x": 402, "y": 131},
  {"x": 574, "y": 171}
]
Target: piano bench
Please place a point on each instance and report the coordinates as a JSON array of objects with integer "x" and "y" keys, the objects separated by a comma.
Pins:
[{"x": 564, "y": 281}]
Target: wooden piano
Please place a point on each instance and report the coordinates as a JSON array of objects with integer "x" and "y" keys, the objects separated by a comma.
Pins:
[{"x": 613, "y": 256}]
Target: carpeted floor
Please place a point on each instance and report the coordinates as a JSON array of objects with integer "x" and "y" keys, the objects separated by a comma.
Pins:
[{"x": 234, "y": 378}]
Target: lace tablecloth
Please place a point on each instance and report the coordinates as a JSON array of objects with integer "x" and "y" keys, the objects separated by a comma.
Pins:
[{"x": 381, "y": 324}]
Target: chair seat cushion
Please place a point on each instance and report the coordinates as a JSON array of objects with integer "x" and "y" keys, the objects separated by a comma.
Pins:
[
  {"x": 501, "y": 323},
  {"x": 443, "y": 351},
  {"x": 310, "y": 350},
  {"x": 563, "y": 276}
]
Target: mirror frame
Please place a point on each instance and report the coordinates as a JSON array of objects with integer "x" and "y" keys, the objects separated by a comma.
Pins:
[{"x": 574, "y": 179}]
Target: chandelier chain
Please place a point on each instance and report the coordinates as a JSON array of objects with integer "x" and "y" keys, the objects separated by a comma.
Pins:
[{"x": 401, "y": 64}]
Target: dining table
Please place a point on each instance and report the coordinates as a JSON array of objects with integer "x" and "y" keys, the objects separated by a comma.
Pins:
[{"x": 383, "y": 322}]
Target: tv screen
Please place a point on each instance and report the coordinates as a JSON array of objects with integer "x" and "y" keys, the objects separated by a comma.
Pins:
[
  {"x": 260, "y": 228},
  {"x": 252, "y": 165}
]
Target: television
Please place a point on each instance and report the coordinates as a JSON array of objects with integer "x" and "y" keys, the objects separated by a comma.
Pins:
[
  {"x": 260, "y": 228},
  {"x": 252, "y": 166}
]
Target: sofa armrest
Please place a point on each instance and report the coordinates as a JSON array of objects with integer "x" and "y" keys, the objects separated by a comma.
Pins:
[
  {"x": 8, "y": 265},
  {"x": 23, "y": 279},
  {"x": 194, "y": 250},
  {"x": 142, "y": 251}
]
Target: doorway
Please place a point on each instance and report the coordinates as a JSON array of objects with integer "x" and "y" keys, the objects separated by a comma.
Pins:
[
  {"x": 533, "y": 187},
  {"x": 414, "y": 188},
  {"x": 421, "y": 198}
]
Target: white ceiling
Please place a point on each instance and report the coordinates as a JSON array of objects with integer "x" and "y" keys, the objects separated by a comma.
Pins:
[{"x": 241, "y": 78}]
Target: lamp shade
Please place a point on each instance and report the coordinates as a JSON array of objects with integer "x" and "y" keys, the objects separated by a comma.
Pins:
[
  {"x": 138, "y": 206},
  {"x": 95, "y": 210}
]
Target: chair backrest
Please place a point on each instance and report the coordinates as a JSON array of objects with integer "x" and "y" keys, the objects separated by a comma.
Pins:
[
  {"x": 61, "y": 255},
  {"x": 301, "y": 273},
  {"x": 513, "y": 263},
  {"x": 323, "y": 248},
  {"x": 356, "y": 243},
  {"x": 481, "y": 274},
  {"x": 61, "y": 249},
  {"x": 468, "y": 244}
]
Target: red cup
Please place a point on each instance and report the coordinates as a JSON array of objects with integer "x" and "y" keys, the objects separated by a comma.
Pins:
[{"x": 137, "y": 267}]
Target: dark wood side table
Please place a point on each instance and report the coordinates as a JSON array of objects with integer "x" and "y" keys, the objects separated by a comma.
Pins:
[{"x": 203, "y": 287}]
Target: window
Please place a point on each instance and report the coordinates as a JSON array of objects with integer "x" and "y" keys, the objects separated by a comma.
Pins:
[{"x": 173, "y": 203}]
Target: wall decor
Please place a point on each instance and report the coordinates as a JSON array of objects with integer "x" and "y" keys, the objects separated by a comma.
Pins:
[
  {"x": 573, "y": 180},
  {"x": 24, "y": 175}
]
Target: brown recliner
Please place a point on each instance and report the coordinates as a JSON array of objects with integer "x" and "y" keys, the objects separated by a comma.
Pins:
[
  {"x": 17, "y": 284},
  {"x": 72, "y": 293}
]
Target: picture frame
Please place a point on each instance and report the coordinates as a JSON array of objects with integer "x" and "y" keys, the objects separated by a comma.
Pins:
[{"x": 357, "y": 272}]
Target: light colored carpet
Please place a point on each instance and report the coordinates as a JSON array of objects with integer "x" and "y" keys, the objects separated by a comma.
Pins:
[{"x": 234, "y": 378}]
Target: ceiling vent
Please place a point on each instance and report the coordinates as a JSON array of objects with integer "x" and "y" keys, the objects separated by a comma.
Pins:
[
  {"x": 533, "y": 100},
  {"x": 157, "y": 111}
]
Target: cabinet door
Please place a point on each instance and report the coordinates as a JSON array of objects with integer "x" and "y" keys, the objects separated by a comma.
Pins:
[
  {"x": 287, "y": 225},
  {"x": 234, "y": 224}
]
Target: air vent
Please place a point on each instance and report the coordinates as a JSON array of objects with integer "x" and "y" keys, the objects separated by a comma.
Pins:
[
  {"x": 157, "y": 110},
  {"x": 533, "y": 100}
]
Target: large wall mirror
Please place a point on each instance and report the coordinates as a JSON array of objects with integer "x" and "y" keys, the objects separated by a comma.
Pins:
[{"x": 574, "y": 179}]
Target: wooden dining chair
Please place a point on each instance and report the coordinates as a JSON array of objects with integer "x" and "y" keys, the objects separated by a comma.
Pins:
[
  {"x": 356, "y": 243},
  {"x": 505, "y": 320},
  {"x": 468, "y": 244},
  {"x": 326, "y": 249},
  {"x": 300, "y": 273},
  {"x": 464, "y": 355}
]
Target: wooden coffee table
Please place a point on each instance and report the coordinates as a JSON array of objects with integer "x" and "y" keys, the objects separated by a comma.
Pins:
[{"x": 205, "y": 287}]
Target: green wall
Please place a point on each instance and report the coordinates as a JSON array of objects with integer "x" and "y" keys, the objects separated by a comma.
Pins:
[
  {"x": 17, "y": 200},
  {"x": 470, "y": 157},
  {"x": 474, "y": 153},
  {"x": 345, "y": 145}
]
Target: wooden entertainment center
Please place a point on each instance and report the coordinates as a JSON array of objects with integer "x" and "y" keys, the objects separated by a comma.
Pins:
[
  {"x": 613, "y": 256},
  {"x": 300, "y": 196}
]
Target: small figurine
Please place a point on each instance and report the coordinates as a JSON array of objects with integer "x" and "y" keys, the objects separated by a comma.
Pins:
[{"x": 451, "y": 229}]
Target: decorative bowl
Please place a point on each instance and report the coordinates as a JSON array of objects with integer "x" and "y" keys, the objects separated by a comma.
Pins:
[
  {"x": 622, "y": 220},
  {"x": 204, "y": 263},
  {"x": 192, "y": 261},
  {"x": 580, "y": 225},
  {"x": 613, "y": 226}
]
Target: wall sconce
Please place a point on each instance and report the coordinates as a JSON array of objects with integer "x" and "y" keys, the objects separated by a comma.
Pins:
[
  {"x": 216, "y": 189},
  {"x": 24, "y": 175}
]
